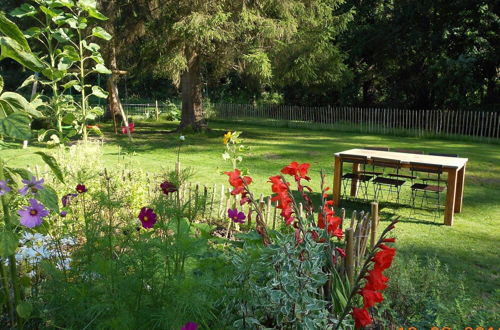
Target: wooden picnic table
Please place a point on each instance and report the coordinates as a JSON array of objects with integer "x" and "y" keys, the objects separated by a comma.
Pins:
[{"x": 453, "y": 166}]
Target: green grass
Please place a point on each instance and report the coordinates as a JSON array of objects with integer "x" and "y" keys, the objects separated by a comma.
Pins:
[{"x": 469, "y": 247}]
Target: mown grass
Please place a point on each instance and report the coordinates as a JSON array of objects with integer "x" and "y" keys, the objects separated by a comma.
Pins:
[{"x": 468, "y": 248}]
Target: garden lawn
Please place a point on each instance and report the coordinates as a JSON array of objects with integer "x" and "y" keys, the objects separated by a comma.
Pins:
[{"x": 470, "y": 248}]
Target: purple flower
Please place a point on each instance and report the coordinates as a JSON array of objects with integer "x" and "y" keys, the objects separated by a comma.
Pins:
[
  {"x": 147, "y": 217},
  {"x": 168, "y": 187},
  {"x": 4, "y": 188},
  {"x": 66, "y": 199},
  {"x": 190, "y": 326},
  {"x": 31, "y": 215},
  {"x": 31, "y": 185},
  {"x": 237, "y": 217},
  {"x": 80, "y": 188},
  {"x": 63, "y": 214}
]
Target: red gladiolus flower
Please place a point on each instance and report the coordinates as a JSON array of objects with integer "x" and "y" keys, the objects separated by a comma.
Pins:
[
  {"x": 389, "y": 240},
  {"x": 238, "y": 182},
  {"x": 383, "y": 258},
  {"x": 283, "y": 198},
  {"x": 370, "y": 297},
  {"x": 361, "y": 317},
  {"x": 376, "y": 280},
  {"x": 296, "y": 170},
  {"x": 340, "y": 251}
]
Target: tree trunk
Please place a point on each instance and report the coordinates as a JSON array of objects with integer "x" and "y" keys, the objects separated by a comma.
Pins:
[
  {"x": 114, "y": 103},
  {"x": 192, "y": 110}
]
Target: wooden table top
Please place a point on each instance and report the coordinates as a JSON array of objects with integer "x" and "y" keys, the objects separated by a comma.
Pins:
[{"x": 406, "y": 158}]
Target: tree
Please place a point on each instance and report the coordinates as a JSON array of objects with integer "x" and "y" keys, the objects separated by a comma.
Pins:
[{"x": 186, "y": 38}]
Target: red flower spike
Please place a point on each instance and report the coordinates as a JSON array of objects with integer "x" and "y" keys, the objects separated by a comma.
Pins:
[
  {"x": 370, "y": 297},
  {"x": 361, "y": 317},
  {"x": 389, "y": 240},
  {"x": 383, "y": 259},
  {"x": 237, "y": 182},
  {"x": 376, "y": 280}
]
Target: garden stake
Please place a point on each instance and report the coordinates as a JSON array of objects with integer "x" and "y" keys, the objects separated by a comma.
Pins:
[
  {"x": 349, "y": 255},
  {"x": 353, "y": 218},
  {"x": 374, "y": 223}
]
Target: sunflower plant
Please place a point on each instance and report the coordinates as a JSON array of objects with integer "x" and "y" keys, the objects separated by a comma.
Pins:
[{"x": 235, "y": 150}]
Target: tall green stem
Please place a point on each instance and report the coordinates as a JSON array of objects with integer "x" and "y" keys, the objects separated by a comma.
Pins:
[
  {"x": 82, "y": 84},
  {"x": 11, "y": 258}
]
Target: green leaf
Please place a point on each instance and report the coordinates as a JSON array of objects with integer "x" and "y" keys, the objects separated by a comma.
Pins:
[
  {"x": 64, "y": 64},
  {"x": 16, "y": 126},
  {"x": 12, "y": 102},
  {"x": 99, "y": 92},
  {"x": 8, "y": 243},
  {"x": 102, "y": 69},
  {"x": 24, "y": 309},
  {"x": 99, "y": 32},
  {"x": 1, "y": 84},
  {"x": 63, "y": 3},
  {"x": 48, "y": 197},
  {"x": 28, "y": 81},
  {"x": 70, "y": 84},
  {"x": 23, "y": 173},
  {"x": 52, "y": 163},
  {"x": 87, "y": 4},
  {"x": 24, "y": 10},
  {"x": 50, "y": 12},
  {"x": 12, "y": 49},
  {"x": 71, "y": 53},
  {"x": 93, "y": 47},
  {"x": 61, "y": 35},
  {"x": 96, "y": 14},
  {"x": 9, "y": 29}
]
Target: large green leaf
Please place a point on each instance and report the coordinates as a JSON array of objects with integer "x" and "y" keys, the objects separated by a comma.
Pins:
[
  {"x": 8, "y": 243},
  {"x": 99, "y": 92},
  {"x": 22, "y": 172},
  {"x": 24, "y": 10},
  {"x": 12, "y": 49},
  {"x": 99, "y": 32},
  {"x": 9, "y": 29},
  {"x": 16, "y": 126},
  {"x": 102, "y": 69},
  {"x": 48, "y": 197},
  {"x": 52, "y": 163},
  {"x": 12, "y": 102},
  {"x": 96, "y": 14}
]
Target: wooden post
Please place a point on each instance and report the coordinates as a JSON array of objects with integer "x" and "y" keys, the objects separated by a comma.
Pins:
[
  {"x": 353, "y": 219},
  {"x": 342, "y": 217},
  {"x": 268, "y": 210},
  {"x": 349, "y": 257},
  {"x": 374, "y": 223},
  {"x": 157, "y": 110},
  {"x": 450, "y": 197},
  {"x": 337, "y": 179},
  {"x": 178, "y": 168}
]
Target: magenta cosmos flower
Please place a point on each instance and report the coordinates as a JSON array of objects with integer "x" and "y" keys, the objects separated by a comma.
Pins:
[
  {"x": 238, "y": 217},
  {"x": 190, "y": 326},
  {"x": 80, "y": 188},
  {"x": 4, "y": 188},
  {"x": 168, "y": 187},
  {"x": 31, "y": 186},
  {"x": 31, "y": 215},
  {"x": 147, "y": 217}
]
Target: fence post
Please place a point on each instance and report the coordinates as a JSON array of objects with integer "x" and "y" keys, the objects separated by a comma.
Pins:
[
  {"x": 373, "y": 232},
  {"x": 349, "y": 255},
  {"x": 157, "y": 110}
]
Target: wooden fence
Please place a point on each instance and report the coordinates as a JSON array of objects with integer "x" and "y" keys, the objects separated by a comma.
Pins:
[{"x": 481, "y": 124}]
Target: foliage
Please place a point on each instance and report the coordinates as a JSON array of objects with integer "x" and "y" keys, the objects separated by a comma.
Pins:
[
  {"x": 235, "y": 150},
  {"x": 62, "y": 30}
]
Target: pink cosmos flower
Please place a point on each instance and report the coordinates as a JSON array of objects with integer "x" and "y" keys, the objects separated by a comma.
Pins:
[
  {"x": 31, "y": 215},
  {"x": 147, "y": 217}
]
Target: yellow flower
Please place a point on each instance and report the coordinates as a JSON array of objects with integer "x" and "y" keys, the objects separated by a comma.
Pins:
[{"x": 227, "y": 137}]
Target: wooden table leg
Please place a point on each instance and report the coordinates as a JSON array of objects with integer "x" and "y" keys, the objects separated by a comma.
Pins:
[
  {"x": 337, "y": 180},
  {"x": 450, "y": 197},
  {"x": 354, "y": 182},
  {"x": 460, "y": 190}
]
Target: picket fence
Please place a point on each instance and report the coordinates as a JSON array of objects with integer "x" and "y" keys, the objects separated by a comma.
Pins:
[{"x": 480, "y": 124}]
